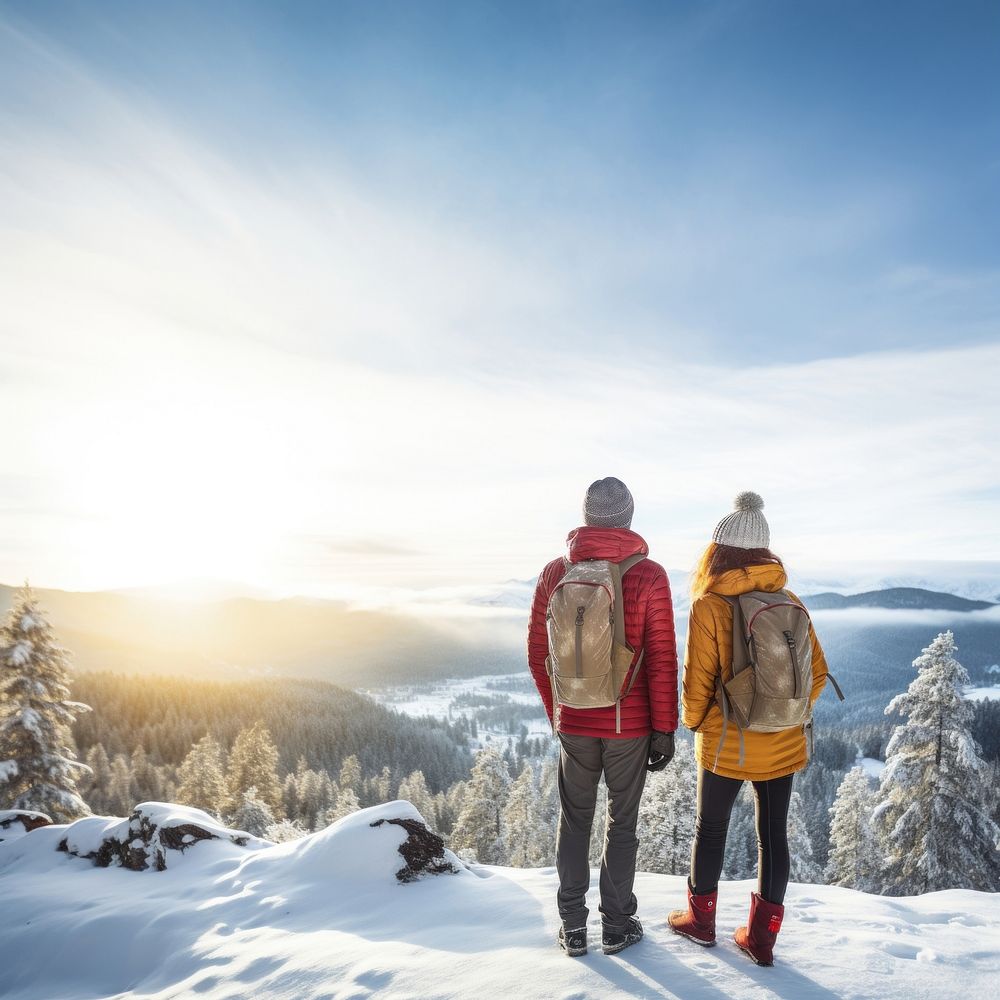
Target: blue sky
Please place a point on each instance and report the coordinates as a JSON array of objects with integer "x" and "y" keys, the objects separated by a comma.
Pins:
[{"x": 483, "y": 212}]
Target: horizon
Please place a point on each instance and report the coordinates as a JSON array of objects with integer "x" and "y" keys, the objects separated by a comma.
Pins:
[
  {"x": 364, "y": 297},
  {"x": 971, "y": 576}
]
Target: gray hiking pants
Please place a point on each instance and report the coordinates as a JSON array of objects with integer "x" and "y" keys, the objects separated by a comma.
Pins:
[{"x": 581, "y": 762}]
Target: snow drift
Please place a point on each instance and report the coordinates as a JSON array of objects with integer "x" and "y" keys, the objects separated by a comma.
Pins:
[{"x": 374, "y": 906}]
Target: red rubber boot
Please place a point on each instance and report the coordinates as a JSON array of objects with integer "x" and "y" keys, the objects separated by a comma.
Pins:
[
  {"x": 697, "y": 922},
  {"x": 758, "y": 937}
]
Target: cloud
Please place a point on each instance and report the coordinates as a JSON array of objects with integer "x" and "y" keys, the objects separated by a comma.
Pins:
[
  {"x": 206, "y": 359},
  {"x": 860, "y": 617}
]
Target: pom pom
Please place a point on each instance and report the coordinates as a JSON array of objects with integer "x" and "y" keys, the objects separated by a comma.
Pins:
[{"x": 748, "y": 500}]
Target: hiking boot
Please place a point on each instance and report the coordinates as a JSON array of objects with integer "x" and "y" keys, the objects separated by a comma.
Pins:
[
  {"x": 758, "y": 937},
  {"x": 573, "y": 942},
  {"x": 616, "y": 941},
  {"x": 697, "y": 922}
]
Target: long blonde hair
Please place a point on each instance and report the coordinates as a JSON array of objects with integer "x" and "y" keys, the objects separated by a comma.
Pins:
[{"x": 718, "y": 559}]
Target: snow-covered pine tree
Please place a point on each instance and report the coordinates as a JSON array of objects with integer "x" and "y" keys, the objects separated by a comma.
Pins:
[
  {"x": 317, "y": 793},
  {"x": 120, "y": 795},
  {"x": 93, "y": 788},
  {"x": 414, "y": 789},
  {"x": 599, "y": 831},
  {"x": 548, "y": 806},
  {"x": 252, "y": 815},
  {"x": 284, "y": 831},
  {"x": 201, "y": 777},
  {"x": 350, "y": 775},
  {"x": 253, "y": 763},
  {"x": 803, "y": 864},
  {"x": 38, "y": 765},
  {"x": 854, "y": 859},
  {"x": 741, "y": 840},
  {"x": 932, "y": 820},
  {"x": 667, "y": 815},
  {"x": 525, "y": 832},
  {"x": 145, "y": 778},
  {"x": 478, "y": 831},
  {"x": 346, "y": 803}
]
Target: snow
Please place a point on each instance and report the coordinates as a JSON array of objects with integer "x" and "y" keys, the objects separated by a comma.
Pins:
[
  {"x": 436, "y": 698},
  {"x": 8, "y": 769},
  {"x": 30, "y": 719},
  {"x": 872, "y": 767},
  {"x": 324, "y": 917},
  {"x": 20, "y": 653}
]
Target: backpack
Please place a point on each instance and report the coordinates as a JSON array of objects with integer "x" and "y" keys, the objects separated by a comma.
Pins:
[
  {"x": 772, "y": 676},
  {"x": 589, "y": 658}
]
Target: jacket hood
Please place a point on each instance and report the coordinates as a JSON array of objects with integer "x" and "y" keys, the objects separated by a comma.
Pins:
[
  {"x": 768, "y": 577},
  {"x": 613, "y": 544}
]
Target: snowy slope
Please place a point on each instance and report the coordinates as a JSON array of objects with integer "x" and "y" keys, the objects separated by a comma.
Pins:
[{"x": 324, "y": 918}]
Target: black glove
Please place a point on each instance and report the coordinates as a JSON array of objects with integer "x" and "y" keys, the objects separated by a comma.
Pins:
[{"x": 661, "y": 751}]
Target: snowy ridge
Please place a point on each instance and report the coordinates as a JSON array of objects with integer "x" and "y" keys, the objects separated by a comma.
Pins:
[{"x": 326, "y": 917}]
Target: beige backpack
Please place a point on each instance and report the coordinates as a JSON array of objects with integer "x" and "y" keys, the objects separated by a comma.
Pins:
[
  {"x": 589, "y": 658},
  {"x": 771, "y": 680}
]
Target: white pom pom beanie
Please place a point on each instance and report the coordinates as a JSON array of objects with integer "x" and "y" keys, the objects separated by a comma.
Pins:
[{"x": 746, "y": 527}]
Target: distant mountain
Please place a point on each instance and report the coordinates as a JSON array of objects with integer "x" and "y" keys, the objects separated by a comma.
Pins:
[
  {"x": 896, "y": 597},
  {"x": 247, "y": 637}
]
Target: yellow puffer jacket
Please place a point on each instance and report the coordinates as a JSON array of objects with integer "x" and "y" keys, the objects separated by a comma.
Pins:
[{"x": 709, "y": 652}]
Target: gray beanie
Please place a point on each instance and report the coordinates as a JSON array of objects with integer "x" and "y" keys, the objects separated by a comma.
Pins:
[
  {"x": 608, "y": 504},
  {"x": 746, "y": 527}
]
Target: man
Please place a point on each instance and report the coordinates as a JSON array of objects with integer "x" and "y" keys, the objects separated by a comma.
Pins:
[{"x": 620, "y": 740}]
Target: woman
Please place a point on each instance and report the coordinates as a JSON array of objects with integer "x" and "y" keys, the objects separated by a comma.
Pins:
[{"x": 738, "y": 561}]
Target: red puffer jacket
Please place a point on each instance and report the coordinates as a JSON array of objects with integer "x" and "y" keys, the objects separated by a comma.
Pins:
[{"x": 649, "y": 624}]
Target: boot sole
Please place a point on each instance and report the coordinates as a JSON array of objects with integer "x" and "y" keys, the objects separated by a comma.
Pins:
[
  {"x": 691, "y": 937},
  {"x": 615, "y": 948},
  {"x": 753, "y": 958},
  {"x": 574, "y": 952}
]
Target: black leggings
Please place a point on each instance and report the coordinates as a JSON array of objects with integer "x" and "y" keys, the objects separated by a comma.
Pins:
[{"x": 716, "y": 796}]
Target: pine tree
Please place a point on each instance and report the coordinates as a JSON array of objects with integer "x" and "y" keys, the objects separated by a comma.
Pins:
[
  {"x": 667, "y": 815},
  {"x": 38, "y": 765},
  {"x": 120, "y": 793},
  {"x": 346, "y": 803},
  {"x": 253, "y": 763},
  {"x": 414, "y": 789},
  {"x": 479, "y": 829},
  {"x": 201, "y": 777},
  {"x": 803, "y": 863},
  {"x": 145, "y": 778},
  {"x": 599, "y": 830},
  {"x": 95, "y": 786},
  {"x": 932, "y": 820},
  {"x": 854, "y": 859},
  {"x": 524, "y": 829},
  {"x": 350, "y": 775},
  {"x": 252, "y": 815},
  {"x": 284, "y": 831},
  {"x": 741, "y": 841}
]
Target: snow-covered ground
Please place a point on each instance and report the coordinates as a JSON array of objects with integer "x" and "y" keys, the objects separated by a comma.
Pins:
[
  {"x": 438, "y": 699},
  {"x": 324, "y": 918}
]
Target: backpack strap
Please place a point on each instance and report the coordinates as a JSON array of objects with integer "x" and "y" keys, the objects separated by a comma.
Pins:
[
  {"x": 618, "y": 570},
  {"x": 836, "y": 686},
  {"x": 741, "y": 660}
]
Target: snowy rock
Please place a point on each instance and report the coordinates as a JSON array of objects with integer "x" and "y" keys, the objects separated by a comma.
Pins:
[
  {"x": 423, "y": 850},
  {"x": 16, "y": 823},
  {"x": 146, "y": 839}
]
